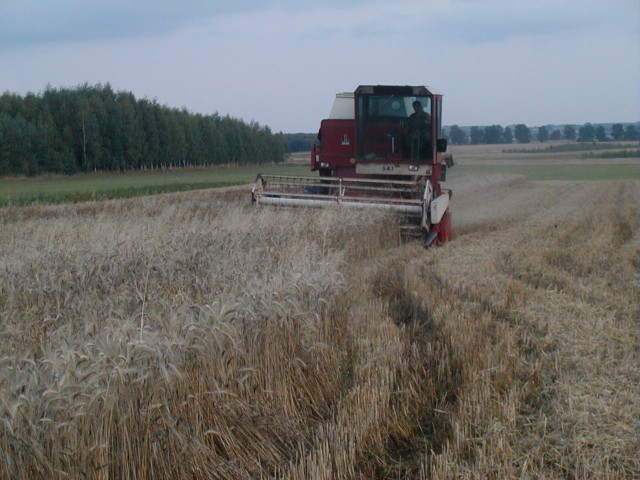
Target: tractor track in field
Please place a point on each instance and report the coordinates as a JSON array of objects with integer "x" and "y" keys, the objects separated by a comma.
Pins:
[
  {"x": 547, "y": 274},
  {"x": 528, "y": 281}
]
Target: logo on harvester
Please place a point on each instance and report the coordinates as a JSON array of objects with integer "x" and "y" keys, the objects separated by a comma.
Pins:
[{"x": 345, "y": 140}]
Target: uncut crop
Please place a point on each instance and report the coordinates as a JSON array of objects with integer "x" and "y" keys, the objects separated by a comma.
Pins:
[
  {"x": 186, "y": 336},
  {"x": 192, "y": 336}
]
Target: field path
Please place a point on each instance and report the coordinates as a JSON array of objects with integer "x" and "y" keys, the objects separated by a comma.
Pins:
[{"x": 537, "y": 296}]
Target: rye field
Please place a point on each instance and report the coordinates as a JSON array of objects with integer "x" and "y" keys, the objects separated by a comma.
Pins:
[{"x": 190, "y": 335}]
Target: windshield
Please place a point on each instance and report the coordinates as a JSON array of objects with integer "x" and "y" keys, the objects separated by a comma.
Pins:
[
  {"x": 392, "y": 106},
  {"x": 393, "y": 128}
]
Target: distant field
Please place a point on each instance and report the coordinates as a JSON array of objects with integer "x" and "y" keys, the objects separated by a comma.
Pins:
[
  {"x": 559, "y": 172},
  {"x": 536, "y": 162},
  {"x": 556, "y": 161},
  {"x": 554, "y": 153},
  {"x": 103, "y": 186}
]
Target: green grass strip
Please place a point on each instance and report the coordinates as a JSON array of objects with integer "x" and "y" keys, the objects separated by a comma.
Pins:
[
  {"x": 104, "y": 186},
  {"x": 559, "y": 172},
  {"x": 573, "y": 147}
]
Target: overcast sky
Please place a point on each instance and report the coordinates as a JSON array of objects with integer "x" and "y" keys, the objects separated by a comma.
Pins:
[{"x": 280, "y": 62}]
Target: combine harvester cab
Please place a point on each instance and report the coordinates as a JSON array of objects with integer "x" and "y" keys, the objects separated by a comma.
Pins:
[{"x": 381, "y": 147}]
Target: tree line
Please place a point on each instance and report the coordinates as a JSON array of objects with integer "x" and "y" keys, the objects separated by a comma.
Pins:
[
  {"x": 300, "y": 142},
  {"x": 495, "y": 134},
  {"x": 93, "y": 128}
]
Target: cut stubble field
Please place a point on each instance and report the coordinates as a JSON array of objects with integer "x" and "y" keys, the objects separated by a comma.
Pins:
[{"x": 189, "y": 335}]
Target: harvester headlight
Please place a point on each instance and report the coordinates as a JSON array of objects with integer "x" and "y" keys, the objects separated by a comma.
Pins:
[
  {"x": 324, "y": 164},
  {"x": 413, "y": 168}
]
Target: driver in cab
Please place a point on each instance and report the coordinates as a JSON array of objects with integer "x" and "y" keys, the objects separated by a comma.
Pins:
[
  {"x": 419, "y": 119},
  {"x": 419, "y": 131}
]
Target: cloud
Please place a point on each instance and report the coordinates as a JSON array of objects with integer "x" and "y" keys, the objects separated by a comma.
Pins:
[
  {"x": 479, "y": 21},
  {"x": 29, "y": 22}
]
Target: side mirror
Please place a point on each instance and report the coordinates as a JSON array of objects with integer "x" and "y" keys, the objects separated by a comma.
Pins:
[
  {"x": 448, "y": 160},
  {"x": 441, "y": 145}
]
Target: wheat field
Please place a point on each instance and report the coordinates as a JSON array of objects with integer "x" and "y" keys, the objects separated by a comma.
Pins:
[{"x": 192, "y": 336}]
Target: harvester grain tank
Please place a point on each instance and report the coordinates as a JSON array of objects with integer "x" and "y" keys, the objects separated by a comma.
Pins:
[{"x": 381, "y": 147}]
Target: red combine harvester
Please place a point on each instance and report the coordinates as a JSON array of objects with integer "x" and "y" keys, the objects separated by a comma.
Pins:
[{"x": 381, "y": 147}]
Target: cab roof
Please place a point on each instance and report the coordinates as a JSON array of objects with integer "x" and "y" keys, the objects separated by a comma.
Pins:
[{"x": 406, "y": 90}]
